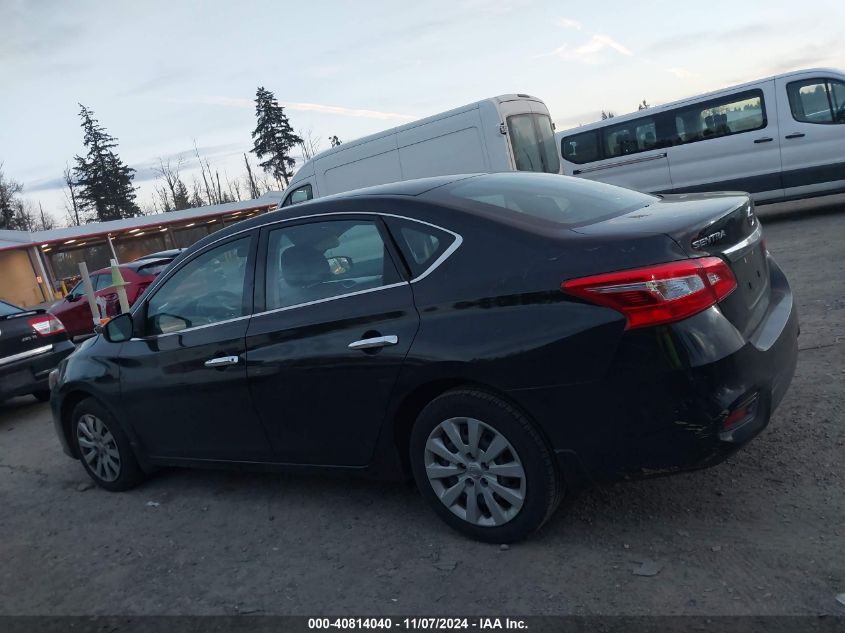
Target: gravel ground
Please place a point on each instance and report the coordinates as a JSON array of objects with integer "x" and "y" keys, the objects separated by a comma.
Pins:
[{"x": 763, "y": 533}]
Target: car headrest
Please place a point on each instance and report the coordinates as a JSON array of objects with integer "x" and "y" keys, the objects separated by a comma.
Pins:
[{"x": 303, "y": 266}]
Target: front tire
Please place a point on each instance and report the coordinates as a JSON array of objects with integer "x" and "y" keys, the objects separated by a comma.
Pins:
[
  {"x": 483, "y": 467},
  {"x": 103, "y": 447}
]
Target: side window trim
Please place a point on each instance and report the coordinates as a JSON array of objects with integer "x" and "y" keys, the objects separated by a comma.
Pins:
[{"x": 139, "y": 310}]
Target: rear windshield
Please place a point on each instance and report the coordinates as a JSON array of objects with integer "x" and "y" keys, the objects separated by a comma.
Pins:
[
  {"x": 562, "y": 200},
  {"x": 533, "y": 143},
  {"x": 7, "y": 308}
]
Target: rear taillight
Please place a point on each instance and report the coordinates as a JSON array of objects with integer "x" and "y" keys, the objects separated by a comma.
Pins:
[
  {"x": 46, "y": 324},
  {"x": 659, "y": 294}
]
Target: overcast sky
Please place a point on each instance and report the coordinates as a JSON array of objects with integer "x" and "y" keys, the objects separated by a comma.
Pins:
[{"x": 161, "y": 75}]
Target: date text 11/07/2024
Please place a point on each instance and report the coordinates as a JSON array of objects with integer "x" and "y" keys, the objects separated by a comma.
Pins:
[{"x": 422, "y": 623}]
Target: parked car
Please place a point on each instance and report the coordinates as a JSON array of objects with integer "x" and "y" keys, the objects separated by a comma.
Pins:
[
  {"x": 778, "y": 138},
  {"x": 32, "y": 343},
  {"x": 505, "y": 338},
  {"x": 171, "y": 254},
  {"x": 75, "y": 314},
  {"x": 505, "y": 133}
]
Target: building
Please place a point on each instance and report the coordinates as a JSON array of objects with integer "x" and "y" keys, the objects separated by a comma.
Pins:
[{"x": 40, "y": 266}]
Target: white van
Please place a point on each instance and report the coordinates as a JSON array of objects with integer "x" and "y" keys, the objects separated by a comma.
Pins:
[
  {"x": 505, "y": 133},
  {"x": 777, "y": 138}
]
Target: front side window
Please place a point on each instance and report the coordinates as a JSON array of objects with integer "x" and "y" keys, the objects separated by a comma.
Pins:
[
  {"x": 208, "y": 289},
  {"x": 533, "y": 143},
  {"x": 728, "y": 115},
  {"x": 817, "y": 100},
  {"x": 301, "y": 194},
  {"x": 320, "y": 260},
  {"x": 581, "y": 148}
]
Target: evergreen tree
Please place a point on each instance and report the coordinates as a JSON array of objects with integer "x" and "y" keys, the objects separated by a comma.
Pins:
[
  {"x": 9, "y": 202},
  {"x": 181, "y": 198},
  {"x": 273, "y": 137},
  {"x": 105, "y": 182}
]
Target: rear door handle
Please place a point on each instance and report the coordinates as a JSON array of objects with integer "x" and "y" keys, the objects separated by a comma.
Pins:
[
  {"x": 765, "y": 139},
  {"x": 374, "y": 342},
  {"x": 222, "y": 361},
  {"x": 795, "y": 135}
]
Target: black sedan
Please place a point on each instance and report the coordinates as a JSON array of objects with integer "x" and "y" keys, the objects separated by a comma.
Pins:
[
  {"x": 503, "y": 338},
  {"x": 32, "y": 343}
]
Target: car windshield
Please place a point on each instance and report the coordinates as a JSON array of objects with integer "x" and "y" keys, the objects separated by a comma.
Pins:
[
  {"x": 533, "y": 143},
  {"x": 7, "y": 308},
  {"x": 561, "y": 200}
]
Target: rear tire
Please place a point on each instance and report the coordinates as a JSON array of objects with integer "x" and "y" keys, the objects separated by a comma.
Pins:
[
  {"x": 483, "y": 467},
  {"x": 104, "y": 449}
]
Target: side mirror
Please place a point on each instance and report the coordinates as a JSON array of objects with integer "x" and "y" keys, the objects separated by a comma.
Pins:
[{"x": 119, "y": 328}]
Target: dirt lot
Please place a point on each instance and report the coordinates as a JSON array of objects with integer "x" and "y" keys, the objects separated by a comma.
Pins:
[{"x": 763, "y": 533}]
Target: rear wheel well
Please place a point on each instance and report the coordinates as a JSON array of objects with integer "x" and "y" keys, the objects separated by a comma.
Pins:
[{"x": 416, "y": 401}]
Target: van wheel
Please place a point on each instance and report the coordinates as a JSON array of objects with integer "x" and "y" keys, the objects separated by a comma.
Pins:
[
  {"x": 103, "y": 447},
  {"x": 483, "y": 467}
]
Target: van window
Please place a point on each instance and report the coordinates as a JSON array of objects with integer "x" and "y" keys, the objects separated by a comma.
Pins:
[
  {"x": 533, "y": 143},
  {"x": 639, "y": 135},
  {"x": 720, "y": 117},
  {"x": 817, "y": 100},
  {"x": 581, "y": 148},
  {"x": 301, "y": 194}
]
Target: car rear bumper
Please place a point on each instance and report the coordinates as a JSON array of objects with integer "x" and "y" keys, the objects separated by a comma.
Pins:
[
  {"x": 678, "y": 398},
  {"x": 30, "y": 374}
]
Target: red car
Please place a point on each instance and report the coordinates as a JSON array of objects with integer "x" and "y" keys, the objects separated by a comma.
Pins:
[{"x": 73, "y": 310}]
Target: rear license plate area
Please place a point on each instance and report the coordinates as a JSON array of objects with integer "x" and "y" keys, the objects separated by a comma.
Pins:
[{"x": 752, "y": 275}]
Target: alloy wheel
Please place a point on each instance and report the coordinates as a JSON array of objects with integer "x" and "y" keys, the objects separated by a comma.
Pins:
[
  {"x": 98, "y": 447},
  {"x": 475, "y": 471}
]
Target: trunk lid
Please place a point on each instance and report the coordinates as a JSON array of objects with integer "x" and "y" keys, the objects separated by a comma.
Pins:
[{"x": 722, "y": 225}]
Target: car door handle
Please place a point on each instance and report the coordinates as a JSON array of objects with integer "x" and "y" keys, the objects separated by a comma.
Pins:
[
  {"x": 222, "y": 361},
  {"x": 765, "y": 139},
  {"x": 374, "y": 342},
  {"x": 795, "y": 135}
]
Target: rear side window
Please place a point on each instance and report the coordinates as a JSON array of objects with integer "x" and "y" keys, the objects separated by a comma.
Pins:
[
  {"x": 563, "y": 201},
  {"x": 581, "y": 148},
  {"x": 420, "y": 244},
  {"x": 320, "y": 260},
  {"x": 631, "y": 137},
  {"x": 737, "y": 113},
  {"x": 817, "y": 100},
  {"x": 7, "y": 308}
]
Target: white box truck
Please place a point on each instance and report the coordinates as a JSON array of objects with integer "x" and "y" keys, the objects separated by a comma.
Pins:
[{"x": 505, "y": 133}]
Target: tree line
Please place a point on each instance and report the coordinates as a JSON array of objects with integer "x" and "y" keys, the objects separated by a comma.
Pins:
[{"x": 99, "y": 186}]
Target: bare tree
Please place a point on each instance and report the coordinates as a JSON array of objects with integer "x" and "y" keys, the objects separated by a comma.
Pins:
[
  {"x": 644, "y": 105},
  {"x": 209, "y": 190},
  {"x": 309, "y": 144},
  {"x": 253, "y": 186},
  {"x": 45, "y": 221},
  {"x": 72, "y": 206}
]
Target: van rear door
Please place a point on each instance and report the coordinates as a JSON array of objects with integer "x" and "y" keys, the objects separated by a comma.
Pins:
[
  {"x": 728, "y": 143},
  {"x": 530, "y": 134},
  {"x": 812, "y": 114}
]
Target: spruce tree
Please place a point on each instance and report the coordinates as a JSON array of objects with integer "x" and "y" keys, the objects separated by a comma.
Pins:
[
  {"x": 181, "y": 198},
  {"x": 105, "y": 182},
  {"x": 273, "y": 137}
]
